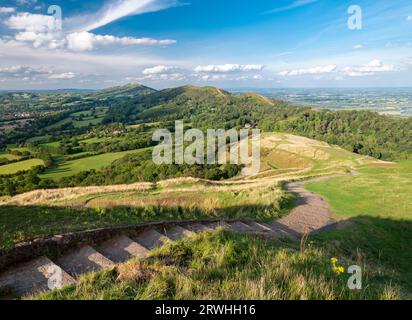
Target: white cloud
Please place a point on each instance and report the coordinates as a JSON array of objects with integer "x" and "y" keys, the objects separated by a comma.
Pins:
[
  {"x": 176, "y": 76},
  {"x": 63, "y": 76},
  {"x": 228, "y": 68},
  {"x": 308, "y": 71},
  {"x": 34, "y": 73},
  {"x": 25, "y": 73},
  {"x": 7, "y": 10},
  {"x": 409, "y": 18},
  {"x": 79, "y": 41},
  {"x": 369, "y": 69},
  {"x": 358, "y": 46},
  {"x": 85, "y": 41},
  {"x": 43, "y": 30},
  {"x": 50, "y": 40},
  {"x": 30, "y": 22},
  {"x": 162, "y": 72},
  {"x": 160, "y": 69}
]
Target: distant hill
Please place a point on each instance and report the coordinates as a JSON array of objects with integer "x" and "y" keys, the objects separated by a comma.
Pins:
[
  {"x": 362, "y": 132},
  {"x": 126, "y": 91},
  {"x": 191, "y": 103}
]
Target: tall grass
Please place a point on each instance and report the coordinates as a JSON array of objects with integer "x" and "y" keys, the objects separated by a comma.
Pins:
[{"x": 223, "y": 265}]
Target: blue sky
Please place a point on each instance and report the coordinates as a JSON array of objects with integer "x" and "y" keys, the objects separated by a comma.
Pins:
[{"x": 165, "y": 43}]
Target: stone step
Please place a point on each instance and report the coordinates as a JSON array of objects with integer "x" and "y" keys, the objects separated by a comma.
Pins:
[
  {"x": 121, "y": 249},
  {"x": 84, "y": 260},
  {"x": 259, "y": 226},
  {"x": 240, "y": 227},
  {"x": 176, "y": 232},
  {"x": 34, "y": 277},
  {"x": 281, "y": 230},
  {"x": 197, "y": 227},
  {"x": 216, "y": 225},
  {"x": 151, "y": 239}
]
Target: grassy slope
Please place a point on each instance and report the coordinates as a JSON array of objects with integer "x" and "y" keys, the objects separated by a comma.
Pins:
[
  {"x": 260, "y": 198},
  {"x": 20, "y": 166},
  {"x": 223, "y": 265},
  {"x": 379, "y": 190},
  {"x": 378, "y": 203}
]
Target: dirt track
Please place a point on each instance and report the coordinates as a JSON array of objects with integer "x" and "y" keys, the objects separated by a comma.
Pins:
[{"x": 312, "y": 212}]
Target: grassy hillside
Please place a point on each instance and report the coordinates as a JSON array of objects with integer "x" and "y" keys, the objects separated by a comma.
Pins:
[
  {"x": 20, "y": 166},
  {"x": 378, "y": 206},
  {"x": 380, "y": 190},
  {"x": 222, "y": 265}
]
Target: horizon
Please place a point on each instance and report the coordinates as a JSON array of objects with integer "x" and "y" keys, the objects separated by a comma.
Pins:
[
  {"x": 163, "y": 43},
  {"x": 206, "y": 85}
]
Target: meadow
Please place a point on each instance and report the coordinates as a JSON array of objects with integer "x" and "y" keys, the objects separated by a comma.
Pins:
[
  {"x": 9, "y": 156},
  {"x": 375, "y": 208},
  {"x": 20, "y": 166},
  {"x": 380, "y": 190},
  {"x": 68, "y": 168}
]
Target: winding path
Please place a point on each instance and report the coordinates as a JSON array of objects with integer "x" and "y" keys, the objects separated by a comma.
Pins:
[{"x": 312, "y": 212}]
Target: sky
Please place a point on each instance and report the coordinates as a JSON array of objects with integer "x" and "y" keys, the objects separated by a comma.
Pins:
[{"x": 230, "y": 44}]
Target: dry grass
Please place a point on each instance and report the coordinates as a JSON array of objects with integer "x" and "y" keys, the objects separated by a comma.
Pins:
[{"x": 67, "y": 194}]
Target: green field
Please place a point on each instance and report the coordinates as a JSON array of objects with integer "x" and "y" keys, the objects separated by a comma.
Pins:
[
  {"x": 380, "y": 191},
  {"x": 97, "y": 140},
  {"x": 20, "y": 149},
  {"x": 53, "y": 144},
  {"x": 69, "y": 168},
  {"x": 378, "y": 207},
  {"x": 9, "y": 156},
  {"x": 20, "y": 166},
  {"x": 88, "y": 118}
]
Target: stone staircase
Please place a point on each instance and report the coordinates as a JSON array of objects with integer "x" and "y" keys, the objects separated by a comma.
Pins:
[{"x": 43, "y": 273}]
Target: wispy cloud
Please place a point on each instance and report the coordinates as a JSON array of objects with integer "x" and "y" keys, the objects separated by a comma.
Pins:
[
  {"x": 116, "y": 10},
  {"x": 295, "y": 4},
  {"x": 7, "y": 10}
]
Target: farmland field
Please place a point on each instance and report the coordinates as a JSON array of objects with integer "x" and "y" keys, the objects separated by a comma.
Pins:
[
  {"x": 20, "y": 166},
  {"x": 9, "y": 156},
  {"x": 69, "y": 168}
]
